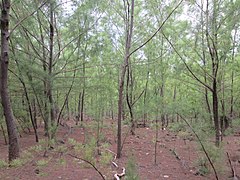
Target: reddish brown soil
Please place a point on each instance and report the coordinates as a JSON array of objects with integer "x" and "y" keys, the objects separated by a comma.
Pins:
[{"x": 176, "y": 158}]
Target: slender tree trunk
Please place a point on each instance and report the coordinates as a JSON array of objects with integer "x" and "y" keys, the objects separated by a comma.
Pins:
[
  {"x": 4, "y": 135},
  {"x": 45, "y": 112},
  {"x": 129, "y": 31},
  {"x": 82, "y": 104},
  {"x": 215, "y": 113},
  {"x": 78, "y": 108},
  {"x": 145, "y": 99},
  {"x": 232, "y": 76},
  {"x": 212, "y": 43},
  {"x": 13, "y": 139},
  {"x": 174, "y": 100},
  {"x": 50, "y": 66},
  {"x": 26, "y": 94},
  {"x": 129, "y": 91}
]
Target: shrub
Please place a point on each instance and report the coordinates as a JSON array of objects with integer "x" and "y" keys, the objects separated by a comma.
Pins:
[
  {"x": 131, "y": 172},
  {"x": 3, "y": 163}
]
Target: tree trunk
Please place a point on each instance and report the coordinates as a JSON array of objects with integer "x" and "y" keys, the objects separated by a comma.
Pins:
[
  {"x": 215, "y": 113},
  {"x": 50, "y": 66},
  {"x": 129, "y": 91},
  {"x": 13, "y": 139},
  {"x": 129, "y": 30}
]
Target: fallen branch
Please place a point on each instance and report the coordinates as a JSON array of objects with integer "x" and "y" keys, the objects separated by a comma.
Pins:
[
  {"x": 175, "y": 154},
  {"x": 88, "y": 163},
  {"x": 118, "y": 176},
  {"x": 183, "y": 163}
]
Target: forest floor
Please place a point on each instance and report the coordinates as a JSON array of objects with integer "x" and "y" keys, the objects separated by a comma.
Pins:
[{"x": 177, "y": 157}]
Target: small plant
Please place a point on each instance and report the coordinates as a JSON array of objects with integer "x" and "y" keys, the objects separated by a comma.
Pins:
[
  {"x": 229, "y": 131},
  {"x": 17, "y": 162},
  {"x": 78, "y": 147},
  {"x": 176, "y": 127},
  {"x": 72, "y": 141},
  {"x": 131, "y": 173},
  {"x": 106, "y": 158},
  {"x": 36, "y": 148},
  {"x": 202, "y": 162},
  {"x": 27, "y": 155},
  {"x": 62, "y": 162},
  {"x": 185, "y": 135},
  {"x": 43, "y": 162},
  {"x": 89, "y": 150},
  {"x": 3, "y": 163},
  {"x": 215, "y": 154},
  {"x": 61, "y": 149}
]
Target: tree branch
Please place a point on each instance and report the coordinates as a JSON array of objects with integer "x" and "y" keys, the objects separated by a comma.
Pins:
[{"x": 160, "y": 27}]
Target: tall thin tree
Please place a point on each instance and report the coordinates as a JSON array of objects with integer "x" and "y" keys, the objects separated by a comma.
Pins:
[{"x": 14, "y": 149}]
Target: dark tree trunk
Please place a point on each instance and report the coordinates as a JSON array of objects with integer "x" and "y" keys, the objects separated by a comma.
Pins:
[
  {"x": 78, "y": 109},
  {"x": 50, "y": 67},
  {"x": 129, "y": 98},
  {"x": 14, "y": 149},
  {"x": 82, "y": 104},
  {"x": 215, "y": 113}
]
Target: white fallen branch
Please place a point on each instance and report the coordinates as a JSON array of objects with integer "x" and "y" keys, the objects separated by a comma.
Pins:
[
  {"x": 115, "y": 155},
  {"x": 123, "y": 172},
  {"x": 115, "y": 164},
  {"x": 118, "y": 176}
]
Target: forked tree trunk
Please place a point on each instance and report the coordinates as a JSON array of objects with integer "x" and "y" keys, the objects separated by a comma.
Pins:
[
  {"x": 129, "y": 30},
  {"x": 14, "y": 149}
]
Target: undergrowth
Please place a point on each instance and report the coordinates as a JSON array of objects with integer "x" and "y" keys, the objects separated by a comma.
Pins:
[{"x": 131, "y": 172}]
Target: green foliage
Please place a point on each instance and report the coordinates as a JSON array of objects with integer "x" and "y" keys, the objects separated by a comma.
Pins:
[
  {"x": 36, "y": 148},
  {"x": 131, "y": 172},
  {"x": 61, "y": 149},
  {"x": 204, "y": 130},
  {"x": 177, "y": 126},
  {"x": 229, "y": 131},
  {"x": 89, "y": 150},
  {"x": 78, "y": 147},
  {"x": 17, "y": 163},
  {"x": 185, "y": 135},
  {"x": 106, "y": 158},
  {"x": 216, "y": 155},
  {"x": 3, "y": 163},
  {"x": 62, "y": 162},
  {"x": 43, "y": 162}
]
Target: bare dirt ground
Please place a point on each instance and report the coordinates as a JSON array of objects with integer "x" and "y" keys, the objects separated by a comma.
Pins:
[{"x": 176, "y": 158}]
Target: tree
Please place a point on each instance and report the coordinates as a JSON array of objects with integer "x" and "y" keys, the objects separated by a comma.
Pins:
[{"x": 14, "y": 149}]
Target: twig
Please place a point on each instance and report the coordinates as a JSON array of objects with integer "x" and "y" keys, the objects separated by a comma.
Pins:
[
  {"x": 26, "y": 17},
  {"x": 159, "y": 28},
  {"x": 88, "y": 163}
]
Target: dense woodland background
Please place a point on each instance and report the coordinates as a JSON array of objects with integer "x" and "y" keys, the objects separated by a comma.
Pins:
[{"x": 137, "y": 62}]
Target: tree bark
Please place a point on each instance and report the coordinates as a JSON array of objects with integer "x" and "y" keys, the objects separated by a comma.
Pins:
[{"x": 14, "y": 149}]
